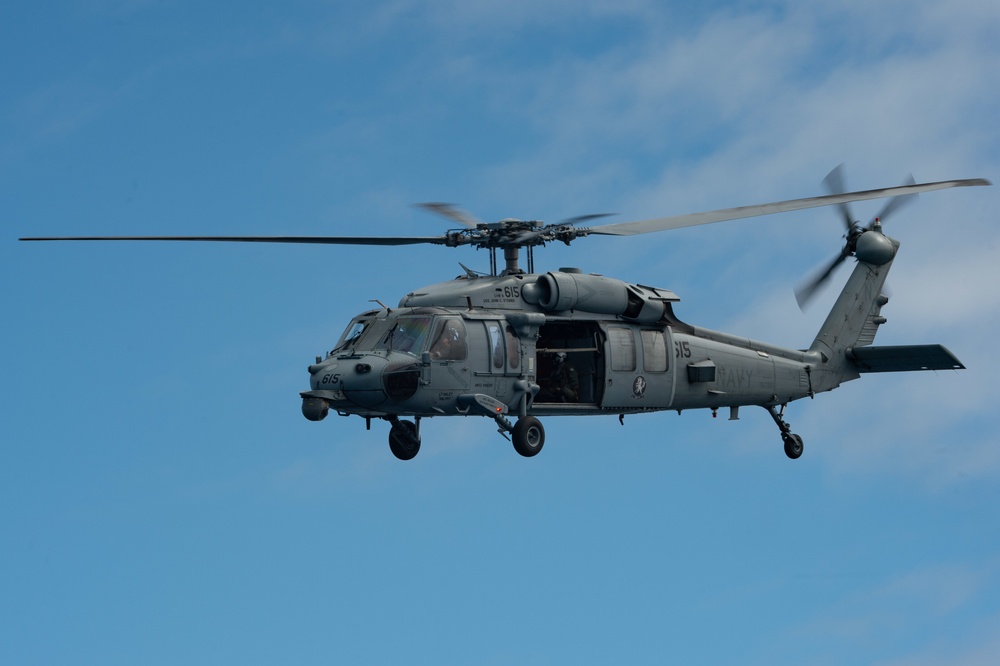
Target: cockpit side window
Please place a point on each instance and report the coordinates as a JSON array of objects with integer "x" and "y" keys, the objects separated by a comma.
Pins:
[
  {"x": 449, "y": 340},
  {"x": 355, "y": 332}
]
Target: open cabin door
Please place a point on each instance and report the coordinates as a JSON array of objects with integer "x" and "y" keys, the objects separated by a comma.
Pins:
[{"x": 570, "y": 363}]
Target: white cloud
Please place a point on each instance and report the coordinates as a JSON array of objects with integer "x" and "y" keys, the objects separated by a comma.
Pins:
[{"x": 977, "y": 645}]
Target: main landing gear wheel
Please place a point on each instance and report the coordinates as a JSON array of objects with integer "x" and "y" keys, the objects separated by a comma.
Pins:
[
  {"x": 404, "y": 442},
  {"x": 793, "y": 445},
  {"x": 528, "y": 436}
]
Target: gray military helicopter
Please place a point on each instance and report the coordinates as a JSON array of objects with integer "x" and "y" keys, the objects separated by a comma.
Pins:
[{"x": 564, "y": 342}]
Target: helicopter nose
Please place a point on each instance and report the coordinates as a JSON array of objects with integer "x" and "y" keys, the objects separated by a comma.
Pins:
[
  {"x": 368, "y": 381},
  {"x": 361, "y": 381}
]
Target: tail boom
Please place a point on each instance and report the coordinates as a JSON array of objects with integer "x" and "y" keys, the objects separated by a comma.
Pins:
[{"x": 852, "y": 323}]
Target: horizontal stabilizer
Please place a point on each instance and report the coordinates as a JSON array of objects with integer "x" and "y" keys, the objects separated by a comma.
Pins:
[{"x": 904, "y": 358}]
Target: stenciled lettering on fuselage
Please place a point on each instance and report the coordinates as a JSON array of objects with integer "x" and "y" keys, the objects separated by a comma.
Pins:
[
  {"x": 508, "y": 295},
  {"x": 733, "y": 378}
]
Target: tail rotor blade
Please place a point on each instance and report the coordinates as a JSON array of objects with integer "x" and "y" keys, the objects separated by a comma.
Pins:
[
  {"x": 807, "y": 290},
  {"x": 834, "y": 183},
  {"x": 896, "y": 202}
]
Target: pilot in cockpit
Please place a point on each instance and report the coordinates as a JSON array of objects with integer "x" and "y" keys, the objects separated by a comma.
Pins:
[{"x": 450, "y": 344}]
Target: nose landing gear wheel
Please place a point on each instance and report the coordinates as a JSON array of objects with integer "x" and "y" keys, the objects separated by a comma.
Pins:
[
  {"x": 404, "y": 442},
  {"x": 528, "y": 436}
]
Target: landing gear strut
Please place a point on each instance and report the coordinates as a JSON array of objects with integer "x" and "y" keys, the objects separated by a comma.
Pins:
[
  {"x": 793, "y": 443},
  {"x": 404, "y": 438},
  {"x": 527, "y": 435}
]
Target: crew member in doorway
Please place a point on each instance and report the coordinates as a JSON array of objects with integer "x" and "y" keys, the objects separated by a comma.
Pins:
[{"x": 562, "y": 383}]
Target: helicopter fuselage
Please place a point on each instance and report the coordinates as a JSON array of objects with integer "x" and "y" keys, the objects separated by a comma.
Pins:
[{"x": 559, "y": 343}]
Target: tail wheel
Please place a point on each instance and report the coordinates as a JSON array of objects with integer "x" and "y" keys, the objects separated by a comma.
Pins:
[
  {"x": 528, "y": 436},
  {"x": 793, "y": 446},
  {"x": 404, "y": 442}
]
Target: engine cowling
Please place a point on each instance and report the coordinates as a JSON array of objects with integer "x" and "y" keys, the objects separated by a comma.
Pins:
[{"x": 559, "y": 291}]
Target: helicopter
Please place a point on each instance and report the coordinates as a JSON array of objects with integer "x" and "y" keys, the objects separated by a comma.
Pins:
[{"x": 515, "y": 343}]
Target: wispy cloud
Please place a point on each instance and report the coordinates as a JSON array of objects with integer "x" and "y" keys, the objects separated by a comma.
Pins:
[{"x": 879, "y": 621}]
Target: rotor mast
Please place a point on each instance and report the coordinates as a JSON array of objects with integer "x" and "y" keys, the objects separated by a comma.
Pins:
[{"x": 511, "y": 254}]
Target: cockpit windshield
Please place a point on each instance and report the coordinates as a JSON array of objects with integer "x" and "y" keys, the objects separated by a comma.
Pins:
[
  {"x": 410, "y": 333},
  {"x": 407, "y": 334}
]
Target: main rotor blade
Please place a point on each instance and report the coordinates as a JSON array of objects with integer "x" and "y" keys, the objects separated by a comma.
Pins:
[
  {"x": 695, "y": 219},
  {"x": 311, "y": 240},
  {"x": 451, "y": 212},
  {"x": 579, "y": 219}
]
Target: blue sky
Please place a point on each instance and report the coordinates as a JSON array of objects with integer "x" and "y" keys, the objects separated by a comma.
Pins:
[{"x": 164, "y": 501}]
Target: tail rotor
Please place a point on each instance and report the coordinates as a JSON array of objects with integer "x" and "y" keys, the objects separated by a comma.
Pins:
[{"x": 875, "y": 247}]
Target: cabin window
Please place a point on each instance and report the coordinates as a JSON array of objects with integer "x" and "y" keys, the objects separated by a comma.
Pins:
[
  {"x": 496, "y": 344},
  {"x": 622, "y": 349},
  {"x": 513, "y": 348},
  {"x": 654, "y": 351}
]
